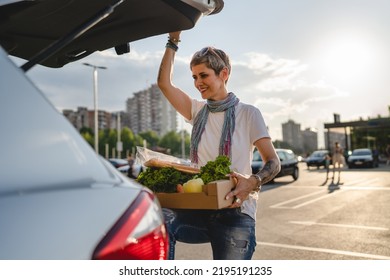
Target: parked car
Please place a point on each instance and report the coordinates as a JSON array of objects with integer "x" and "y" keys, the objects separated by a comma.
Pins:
[
  {"x": 137, "y": 168},
  {"x": 63, "y": 201},
  {"x": 362, "y": 158},
  {"x": 123, "y": 166},
  {"x": 118, "y": 162},
  {"x": 317, "y": 159},
  {"x": 288, "y": 161}
]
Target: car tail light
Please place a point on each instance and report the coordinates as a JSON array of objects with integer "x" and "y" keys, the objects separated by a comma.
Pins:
[{"x": 139, "y": 234}]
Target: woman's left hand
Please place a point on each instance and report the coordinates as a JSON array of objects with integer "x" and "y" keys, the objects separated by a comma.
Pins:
[{"x": 242, "y": 190}]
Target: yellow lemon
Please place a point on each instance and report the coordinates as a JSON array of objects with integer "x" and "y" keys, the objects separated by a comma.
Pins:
[{"x": 193, "y": 186}]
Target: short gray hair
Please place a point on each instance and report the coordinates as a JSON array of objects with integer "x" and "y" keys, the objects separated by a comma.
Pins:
[{"x": 213, "y": 58}]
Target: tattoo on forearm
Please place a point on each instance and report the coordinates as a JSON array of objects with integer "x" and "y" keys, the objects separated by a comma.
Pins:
[{"x": 270, "y": 169}]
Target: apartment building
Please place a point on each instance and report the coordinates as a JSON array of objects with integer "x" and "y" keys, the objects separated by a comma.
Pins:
[
  {"x": 146, "y": 110},
  {"x": 149, "y": 110},
  {"x": 302, "y": 141},
  {"x": 83, "y": 117},
  {"x": 292, "y": 135}
]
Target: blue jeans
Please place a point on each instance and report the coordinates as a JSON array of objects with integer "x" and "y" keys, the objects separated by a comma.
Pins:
[{"x": 230, "y": 232}]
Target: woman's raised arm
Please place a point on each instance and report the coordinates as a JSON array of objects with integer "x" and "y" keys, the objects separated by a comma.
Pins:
[{"x": 178, "y": 98}]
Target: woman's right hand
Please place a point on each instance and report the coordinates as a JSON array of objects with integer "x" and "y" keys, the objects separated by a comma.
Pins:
[{"x": 175, "y": 35}]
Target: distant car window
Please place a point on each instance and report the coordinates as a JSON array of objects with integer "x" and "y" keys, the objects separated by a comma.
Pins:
[
  {"x": 318, "y": 153},
  {"x": 282, "y": 155},
  {"x": 290, "y": 155},
  {"x": 362, "y": 153}
]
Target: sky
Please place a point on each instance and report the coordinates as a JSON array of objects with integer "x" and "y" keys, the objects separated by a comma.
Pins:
[{"x": 302, "y": 60}]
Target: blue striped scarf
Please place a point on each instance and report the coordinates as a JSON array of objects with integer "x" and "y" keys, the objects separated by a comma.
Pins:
[{"x": 228, "y": 106}]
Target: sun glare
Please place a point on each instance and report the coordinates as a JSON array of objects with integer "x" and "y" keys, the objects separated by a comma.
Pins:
[{"x": 348, "y": 60}]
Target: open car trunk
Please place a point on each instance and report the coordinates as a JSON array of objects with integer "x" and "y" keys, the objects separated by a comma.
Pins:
[{"x": 28, "y": 27}]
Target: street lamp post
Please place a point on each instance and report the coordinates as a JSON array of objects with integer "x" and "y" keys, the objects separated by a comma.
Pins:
[
  {"x": 119, "y": 144},
  {"x": 95, "y": 101}
]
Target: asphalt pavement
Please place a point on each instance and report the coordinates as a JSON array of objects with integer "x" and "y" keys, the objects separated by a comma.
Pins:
[{"x": 314, "y": 218}]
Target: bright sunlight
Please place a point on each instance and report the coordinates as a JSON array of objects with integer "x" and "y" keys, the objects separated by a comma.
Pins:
[{"x": 349, "y": 60}]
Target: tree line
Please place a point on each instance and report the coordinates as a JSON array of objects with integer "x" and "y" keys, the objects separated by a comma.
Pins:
[{"x": 170, "y": 143}]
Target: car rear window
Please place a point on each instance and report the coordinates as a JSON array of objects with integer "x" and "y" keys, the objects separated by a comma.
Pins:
[{"x": 361, "y": 153}]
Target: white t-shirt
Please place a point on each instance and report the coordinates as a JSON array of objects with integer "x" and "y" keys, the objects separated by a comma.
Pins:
[{"x": 250, "y": 127}]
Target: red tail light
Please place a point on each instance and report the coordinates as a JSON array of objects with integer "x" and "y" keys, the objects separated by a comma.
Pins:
[{"x": 138, "y": 235}]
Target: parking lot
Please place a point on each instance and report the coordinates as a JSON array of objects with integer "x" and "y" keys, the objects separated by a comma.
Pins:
[{"x": 312, "y": 218}]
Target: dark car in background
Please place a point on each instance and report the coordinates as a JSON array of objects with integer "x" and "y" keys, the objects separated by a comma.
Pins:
[
  {"x": 317, "y": 159},
  {"x": 65, "y": 202},
  {"x": 288, "y": 161},
  {"x": 362, "y": 158}
]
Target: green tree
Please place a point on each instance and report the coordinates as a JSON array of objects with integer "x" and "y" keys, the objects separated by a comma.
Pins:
[
  {"x": 139, "y": 141},
  {"x": 173, "y": 141},
  {"x": 110, "y": 137},
  {"x": 129, "y": 141},
  {"x": 151, "y": 138},
  {"x": 87, "y": 134},
  {"x": 85, "y": 130},
  {"x": 187, "y": 143}
]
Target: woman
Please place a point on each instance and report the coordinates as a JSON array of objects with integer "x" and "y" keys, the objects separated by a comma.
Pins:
[
  {"x": 337, "y": 159},
  {"x": 221, "y": 125}
]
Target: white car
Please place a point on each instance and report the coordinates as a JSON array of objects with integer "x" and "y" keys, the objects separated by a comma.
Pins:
[
  {"x": 63, "y": 201},
  {"x": 362, "y": 158}
]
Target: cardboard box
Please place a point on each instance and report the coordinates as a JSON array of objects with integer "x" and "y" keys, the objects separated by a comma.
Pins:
[{"x": 212, "y": 197}]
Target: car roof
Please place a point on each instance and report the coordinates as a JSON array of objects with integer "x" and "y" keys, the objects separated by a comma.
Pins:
[
  {"x": 278, "y": 150},
  {"x": 28, "y": 27},
  {"x": 362, "y": 150},
  {"x": 284, "y": 150},
  {"x": 320, "y": 152}
]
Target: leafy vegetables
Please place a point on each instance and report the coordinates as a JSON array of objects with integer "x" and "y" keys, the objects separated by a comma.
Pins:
[
  {"x": 215, "y": 170},
  {"x": 163, "y": 179},
  {"x": 166, "y": 179}
]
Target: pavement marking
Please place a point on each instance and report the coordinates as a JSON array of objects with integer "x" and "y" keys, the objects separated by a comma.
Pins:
[
  {"x": 368, "y": 188},
  {"x": 344, "y": 187},
  {"x": 280, "y": 205},
  {"x": 311, "y": 223},
  {"x": 324, "y": 250},
  {"x": 362, "y": 182},
  {"x": 326, "y": 195}
]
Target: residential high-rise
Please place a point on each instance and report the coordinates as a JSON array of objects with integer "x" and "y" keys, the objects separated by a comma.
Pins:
[
  {"x": 83, "y": 117},
  {"x": 301, "y": 141},
  {"x": 292, "y": 135},
  {"x": 149, "y": 110},
  {"x": 309, "y": 140}
]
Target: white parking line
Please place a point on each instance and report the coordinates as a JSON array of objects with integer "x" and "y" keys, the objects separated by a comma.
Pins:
[
  {"x": 283, "y": 204},
  {"x": 280, "y": 205},
  {"x": 326, "y": 195},
  {"x": 344, "y": 186},
  {"x": 324, "y": 250},
  {"x": 311, "y": 223},
  {"x": 362, "y": 182}
]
